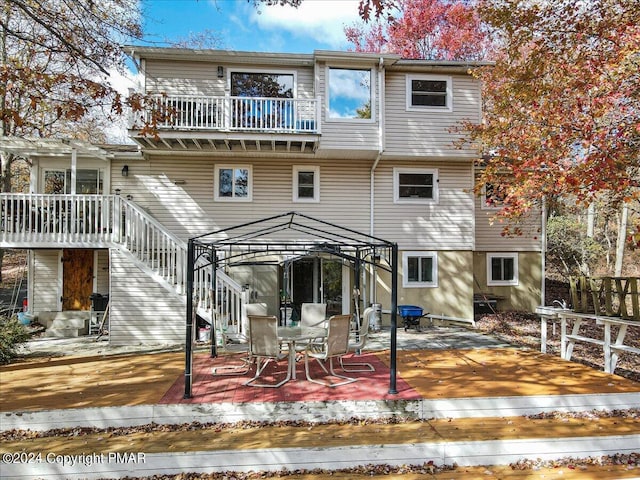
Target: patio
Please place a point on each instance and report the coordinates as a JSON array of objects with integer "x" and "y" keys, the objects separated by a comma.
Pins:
[
  {"x": 439, "y": 363},
  {"x": 473, "y": 391}
]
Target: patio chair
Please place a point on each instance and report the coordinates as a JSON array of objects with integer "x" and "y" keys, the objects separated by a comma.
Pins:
[
  {"x": 264, "y": 347},
  {"x": 359, "y": 338},
  {"x": 313, "y": 314},
  {"x": 335, "y": 345},
  {"x": 234, "y": 343}
]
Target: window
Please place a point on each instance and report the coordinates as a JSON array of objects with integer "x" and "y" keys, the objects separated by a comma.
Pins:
[
  {"x": 88, "y": 181},
  {"x": 306, "y": 184},
  {"x": 259, "y": 100},
  {"x": 502, "y": 269},
  {"x": 349, "y": 95},
  {"x": 420, "y": 269},
  {"x": 415, "y": 185},
  {"x": 492, "y": 196},
  {"x": 233, "y": 183},
  {"x": 262, "y": 84},
  {"x": 429, "y": 92}
]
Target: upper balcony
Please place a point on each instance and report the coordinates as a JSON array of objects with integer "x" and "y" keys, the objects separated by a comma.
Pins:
[{"x": 192, "y": 123}]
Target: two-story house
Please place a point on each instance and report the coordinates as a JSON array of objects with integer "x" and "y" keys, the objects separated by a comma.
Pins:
[{"x": 364, "y": 141}]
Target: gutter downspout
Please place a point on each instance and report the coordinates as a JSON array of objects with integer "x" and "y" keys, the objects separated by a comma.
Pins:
[
  {"x": 381, "y": 145},
  {"x": 543, "y": 251}
]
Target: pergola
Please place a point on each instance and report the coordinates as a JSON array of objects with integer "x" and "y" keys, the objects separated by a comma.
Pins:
[{"x": 291, "y": 234}]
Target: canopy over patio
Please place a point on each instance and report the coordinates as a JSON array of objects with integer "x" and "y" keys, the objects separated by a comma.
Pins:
[{"x": 287, "y": 234}]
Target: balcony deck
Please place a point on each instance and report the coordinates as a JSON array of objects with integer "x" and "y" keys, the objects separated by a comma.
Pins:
[{"x": 191, "y": 123}]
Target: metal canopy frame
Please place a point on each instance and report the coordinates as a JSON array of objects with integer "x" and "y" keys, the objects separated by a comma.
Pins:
[{"x": 258, "y": 241}]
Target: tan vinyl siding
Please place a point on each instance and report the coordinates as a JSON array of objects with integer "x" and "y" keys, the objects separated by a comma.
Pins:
[
  {"x": 141, "y": 310},
  {"x": 446, "y": 225},
  {"x": 424, "y": 133},
  {"x": 183, "y": 78},
  {"x": 45, "y": 281},
  {"x": 102, "y": 274},
  {"x": 453, "y": 297},
  {"x": 189, "y": 208},
  {"x": 489, "y": 232},
  {"x": 347, "y": 135},
  {"x": 201, "y": 78},
  {"x": 526, "y": 295}
]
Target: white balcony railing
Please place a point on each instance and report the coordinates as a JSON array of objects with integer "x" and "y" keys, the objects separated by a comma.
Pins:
[{"x": 248, "y": 114}]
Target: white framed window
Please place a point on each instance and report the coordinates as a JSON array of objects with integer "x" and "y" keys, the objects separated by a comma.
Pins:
[
  {"x": 89, "y": 181},
  {"x": 429, "y": 92},
  {"x": 306, "y": 183},
  {"x": 492, "y": 197},
  {"x": 420, "y": 269},
  {"x": 415, "y": 185},
  {"x": 233, "y": 183},
  {"x": 502, "y": 269},
  {"x": 350, "y": 94}
]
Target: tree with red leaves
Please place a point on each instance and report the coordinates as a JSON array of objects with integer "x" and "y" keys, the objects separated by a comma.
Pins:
[
  {"x": 562, "y": 102},
  {"x": 425, "y": 29}
]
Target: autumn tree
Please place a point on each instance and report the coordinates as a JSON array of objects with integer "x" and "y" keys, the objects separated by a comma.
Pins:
[
  {"x": 425, "y": 29},
  {"x": 562, "y": 102}
]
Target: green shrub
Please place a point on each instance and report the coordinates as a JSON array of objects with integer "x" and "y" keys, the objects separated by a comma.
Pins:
[{"x": 12, "y": 333}]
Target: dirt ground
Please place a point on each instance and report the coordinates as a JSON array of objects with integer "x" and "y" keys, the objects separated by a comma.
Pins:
[{"x": 524, "y": 329}]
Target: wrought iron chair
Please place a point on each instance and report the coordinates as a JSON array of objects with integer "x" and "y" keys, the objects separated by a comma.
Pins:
[
  {"x": 264, "y": 347},
  {"x": 335, "y": 345}
]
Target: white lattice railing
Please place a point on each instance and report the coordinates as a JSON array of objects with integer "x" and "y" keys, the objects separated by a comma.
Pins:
[{"x": 283, "y": 115}]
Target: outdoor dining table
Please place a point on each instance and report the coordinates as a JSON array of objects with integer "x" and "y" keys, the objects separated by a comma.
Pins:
[{"x": 298, "y": 334}]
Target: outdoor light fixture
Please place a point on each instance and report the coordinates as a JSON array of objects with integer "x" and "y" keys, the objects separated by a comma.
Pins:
[
  {"x": 118, "y": 191},
  {"x": 125, "y": 171},
  {"x": 220, "y": 71}
]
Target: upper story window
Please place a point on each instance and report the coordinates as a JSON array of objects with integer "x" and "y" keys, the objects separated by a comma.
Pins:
[
  {"x": 262, "y": 84},
  {"x": 429, "y": 92},
  {"x": 349, "y": 94},
  {"x": 415, "y": 185},
  {"x": 306, "y": 183},
  {"x": 502, "y": 269},
  {"x": 233, "y": 183},
  {"x": 492, "y": 196},
  {"x": 420, "y": 269},
  {"x": 88, "y": 181}
]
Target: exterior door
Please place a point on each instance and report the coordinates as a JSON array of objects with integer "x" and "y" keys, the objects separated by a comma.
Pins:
[
  {"x": 317, "y": 280},
  {"x": 77, "y": 279}
]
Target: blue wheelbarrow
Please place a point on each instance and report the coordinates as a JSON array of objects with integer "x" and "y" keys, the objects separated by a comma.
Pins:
[{"x": 411, "y": 315}]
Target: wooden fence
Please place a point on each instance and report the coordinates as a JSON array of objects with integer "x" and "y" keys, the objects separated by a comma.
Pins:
[{"x": 610, "y": 296}]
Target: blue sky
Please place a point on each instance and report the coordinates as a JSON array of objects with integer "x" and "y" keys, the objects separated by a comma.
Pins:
[{"x": 315, "y": 25}]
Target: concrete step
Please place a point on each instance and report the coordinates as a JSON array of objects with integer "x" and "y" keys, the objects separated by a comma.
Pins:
[
  {"x": 341, "y": 445},
  {"x": 68, "y": 325},
  {"x": 65, "y": 332}
]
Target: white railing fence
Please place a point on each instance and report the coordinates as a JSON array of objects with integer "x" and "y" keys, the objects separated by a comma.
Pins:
[
  {"x": 287, "y": 115},
  {"x": 37, "y": 219}
]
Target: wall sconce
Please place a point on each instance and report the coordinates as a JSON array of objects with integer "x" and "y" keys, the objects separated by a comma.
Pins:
[
  {"x": 220, "y": 71},
  {"x": 125, "y": 171},
  {"x": 129, "y": 197}
]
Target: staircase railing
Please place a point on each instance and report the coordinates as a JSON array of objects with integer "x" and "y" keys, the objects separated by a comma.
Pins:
[{"x": 42, "y": 219}]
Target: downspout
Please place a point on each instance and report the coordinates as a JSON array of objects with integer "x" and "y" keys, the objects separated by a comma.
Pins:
[
  {"x": 543, "y": 252},
  {"x": 381, "y": 145}
]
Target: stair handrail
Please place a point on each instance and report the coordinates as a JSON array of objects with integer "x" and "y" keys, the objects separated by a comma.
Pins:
[{"x": 142, "y": 229}]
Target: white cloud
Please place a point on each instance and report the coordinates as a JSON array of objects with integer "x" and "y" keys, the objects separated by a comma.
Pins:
[{"x": 321, "y": 20}]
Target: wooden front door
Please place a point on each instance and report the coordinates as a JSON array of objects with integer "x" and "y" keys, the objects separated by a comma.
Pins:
[{"x": 77, "y": 279}]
